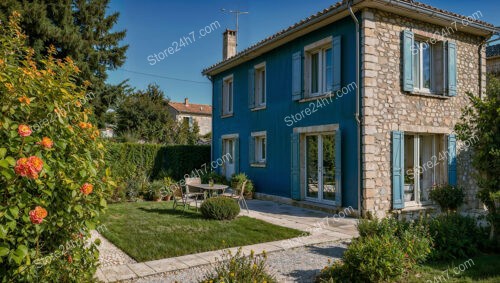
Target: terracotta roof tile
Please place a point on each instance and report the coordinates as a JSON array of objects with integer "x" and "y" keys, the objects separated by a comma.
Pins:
[{"x": 191, "y": 108}]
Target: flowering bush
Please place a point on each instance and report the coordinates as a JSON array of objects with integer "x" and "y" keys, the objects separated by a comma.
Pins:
[{"x": 51, "y": 167}]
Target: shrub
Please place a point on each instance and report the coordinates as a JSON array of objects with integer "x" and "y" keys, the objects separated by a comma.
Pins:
[
  {"x": 237, "y": 181},
  {"x": 455, "y": 236},
  {"x": 449, "y": 198},
  {"x": 239, "y": 268},
  {"x": 220, "y": 208},
  {"x": 154, "y": 190},
  {"x": 374, "y": 259},
  {"x": 335, "y": 273},
  {"x": 52, "y": 173}
]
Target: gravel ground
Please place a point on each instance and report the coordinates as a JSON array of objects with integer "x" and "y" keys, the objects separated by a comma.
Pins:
[
  {"x": 109, "y": 254},
  {"x": 295, "y": 265}
]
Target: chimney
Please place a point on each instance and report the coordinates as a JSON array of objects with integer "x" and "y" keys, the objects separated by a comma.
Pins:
[
  {"x": 186, "y": 101},
  {"x": 228, "y": 44}
]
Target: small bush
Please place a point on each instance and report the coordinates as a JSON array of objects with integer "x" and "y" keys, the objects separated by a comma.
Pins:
[
  {"x": 449, "y": 198},
  {"x": 455, "y": 236},
  {"x": 237, "y": 181},
  {"x": 335, "y": 273},
  {"x": 220, "y": 208},
  {"x": 373, "y": 259},
  {"x": 154, "y": 190},
  {"x": 239, "y": 268}
]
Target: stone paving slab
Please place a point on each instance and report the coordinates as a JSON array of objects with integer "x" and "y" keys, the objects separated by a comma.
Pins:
[{"x": 313, "y": 222}]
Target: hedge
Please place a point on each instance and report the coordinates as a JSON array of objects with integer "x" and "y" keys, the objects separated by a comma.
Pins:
[{"x": 156, "y": 161}]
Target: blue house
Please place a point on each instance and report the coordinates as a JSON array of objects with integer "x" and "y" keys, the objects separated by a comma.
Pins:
[{"x": 346, "y": 107}]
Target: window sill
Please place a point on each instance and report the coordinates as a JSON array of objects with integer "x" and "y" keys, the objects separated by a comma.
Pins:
[
  {"x": 262, "y": 107},
  {"x": 258, "y": 165},
  {"x": 428, "y": 94},
  {"x": 227, "y": 115},
  {"x": 419, "y": 207},
  {"x": 311, "y": 98}
]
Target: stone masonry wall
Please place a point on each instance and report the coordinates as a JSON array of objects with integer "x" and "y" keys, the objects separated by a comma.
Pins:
[{"x": 386, "y": 107}]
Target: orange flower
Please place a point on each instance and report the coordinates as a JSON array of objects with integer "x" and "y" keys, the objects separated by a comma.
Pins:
[
  {"x": 29, "y": 167},
  {"x": 87, "y": 188},
  {"x": 24, "y": 130},
  {"x": 84, "y": 125},
  {"x": 46, "y": 142},
  {"x": 78, "y": 103},
  {"x": 37, "y": 215},
  {"x": 9, "y": 86},
  {"x": 36, "y": 163},
  {"x": 70, "y": 259}
]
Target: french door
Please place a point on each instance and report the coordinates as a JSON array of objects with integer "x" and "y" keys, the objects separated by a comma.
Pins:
[{"x": 320, "y": 168}]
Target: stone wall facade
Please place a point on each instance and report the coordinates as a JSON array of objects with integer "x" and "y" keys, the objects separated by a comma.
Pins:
[
  {"x": 386, "y": 107},
  {"x": 204, "y": 122}
]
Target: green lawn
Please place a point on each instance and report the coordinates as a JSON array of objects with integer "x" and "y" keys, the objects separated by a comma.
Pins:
[
  {"x": 153, "y": 230},
  {"x": 483, "y": 268}
]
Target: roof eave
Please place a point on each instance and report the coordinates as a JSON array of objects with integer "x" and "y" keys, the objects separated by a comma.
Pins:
[{"x": 396, "y": 7}]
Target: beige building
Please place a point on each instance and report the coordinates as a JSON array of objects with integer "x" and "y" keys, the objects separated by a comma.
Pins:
[
  {"x": 190, "y": 112},
  {"x": 493, "y": 59}
]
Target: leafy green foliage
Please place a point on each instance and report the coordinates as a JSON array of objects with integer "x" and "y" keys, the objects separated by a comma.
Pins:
[
  {"x": 237, "y": 181},
  {"x": 449, "y": 198},
  {"x": 481, "y": 122},
  {"x": 134, "y": 165},
  {"x": 220, "y": 208},
  {"x": 455, "y": 236},
  {"x": 52, "y": 171},
  {"x": 385, "y": 249},
  {"x": 240, "y": 268},
  {"x": 217, "y": 178}
]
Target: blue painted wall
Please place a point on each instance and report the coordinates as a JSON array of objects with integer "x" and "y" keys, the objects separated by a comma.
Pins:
[{"x": 275, "y": 177}]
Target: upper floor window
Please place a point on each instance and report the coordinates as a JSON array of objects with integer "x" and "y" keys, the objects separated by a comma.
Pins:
[
  {"x": 260, "y": 85},
  {"x": 319, "y": 68},
  {"x": 227, "y": 96},
  {"x": 429, "y": 65}
]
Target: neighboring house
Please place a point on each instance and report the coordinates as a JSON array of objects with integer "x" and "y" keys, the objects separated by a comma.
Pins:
[
  {"x": 361, "y": 146},
  {"x": 189, "y": 112},
  {"x": 493, "y": 59}
]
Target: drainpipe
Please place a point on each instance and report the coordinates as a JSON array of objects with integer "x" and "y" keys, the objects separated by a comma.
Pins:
[{"x": 356, "y": 114}]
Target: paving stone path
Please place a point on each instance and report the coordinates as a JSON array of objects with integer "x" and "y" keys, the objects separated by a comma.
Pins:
[{"x": 296, "y": 260}]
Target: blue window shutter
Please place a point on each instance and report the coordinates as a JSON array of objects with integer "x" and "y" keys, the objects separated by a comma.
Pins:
[
  {"x": 218, "y": 91},
  {"x": 338, "y": 167},
  {"x": 337, "y": 63},
  {"x": 295, "y": 166},
  {"x": 251, "y": 149},
  {"x": 251, "y": 88},
  {"x": 297, "y": 76},
  {"x": 452, "y": 68},
  {"x": 452, "y": 160},
  {"x": 221, "y": 153},
  {"x": 407, "y": 47},
  {"x": 236, "y": 159},
  {"x": 397, "y": 170}
]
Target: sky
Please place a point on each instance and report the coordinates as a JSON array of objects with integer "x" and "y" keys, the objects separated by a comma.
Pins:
[{"x": 155, "y": 25}]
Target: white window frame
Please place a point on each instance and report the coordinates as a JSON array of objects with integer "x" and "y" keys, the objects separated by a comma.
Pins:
[
  {"x": 228, "y": 96},
  {"x": 258, "y": 137},
  {"x": 437, "y": 138},
  {"x": 319, "y": 47},
  {"x": 260, "y": 94}
]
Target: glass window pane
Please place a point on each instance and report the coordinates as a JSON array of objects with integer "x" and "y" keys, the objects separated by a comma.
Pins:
[
  {"x": 328, "y": 70},
  {"x": 329, "y": 167},
  {"x": 426, "y": 66},
  {"x": 409, "y": 173},
  {"x": 263, "y": 86},
  {"x": 416, "y": 64},
  {"x": 427, "y": 162},
  {"x": 312, "y": 184},
  {"x": 314, "y": 73},
  {"x": 263, "y": 149},
  {"x": 230, "y": 97}
]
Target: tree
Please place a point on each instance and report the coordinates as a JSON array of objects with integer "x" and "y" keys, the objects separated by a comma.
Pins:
[
  {"x": 482, "y": 120},
  {"x": 79, "y": 29},
  {"x": 144, "y": 115}
]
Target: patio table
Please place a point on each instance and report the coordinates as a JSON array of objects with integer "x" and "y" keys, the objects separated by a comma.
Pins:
[{"x": 210, "y": 189}]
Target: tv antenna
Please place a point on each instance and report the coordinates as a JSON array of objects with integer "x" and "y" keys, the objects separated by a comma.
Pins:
[{"x": 237, "y": 13}]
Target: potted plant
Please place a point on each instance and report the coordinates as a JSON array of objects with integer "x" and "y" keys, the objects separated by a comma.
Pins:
[
  {"x": 167, "y": 191},
  {"x": 154, "y": 192},
  {"x": 408, "y": 187},
  {"x": 237, "y": 181}
]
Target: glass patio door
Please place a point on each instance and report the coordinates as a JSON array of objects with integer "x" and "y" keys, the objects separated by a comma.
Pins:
[{"x": 320, "y": 168}]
